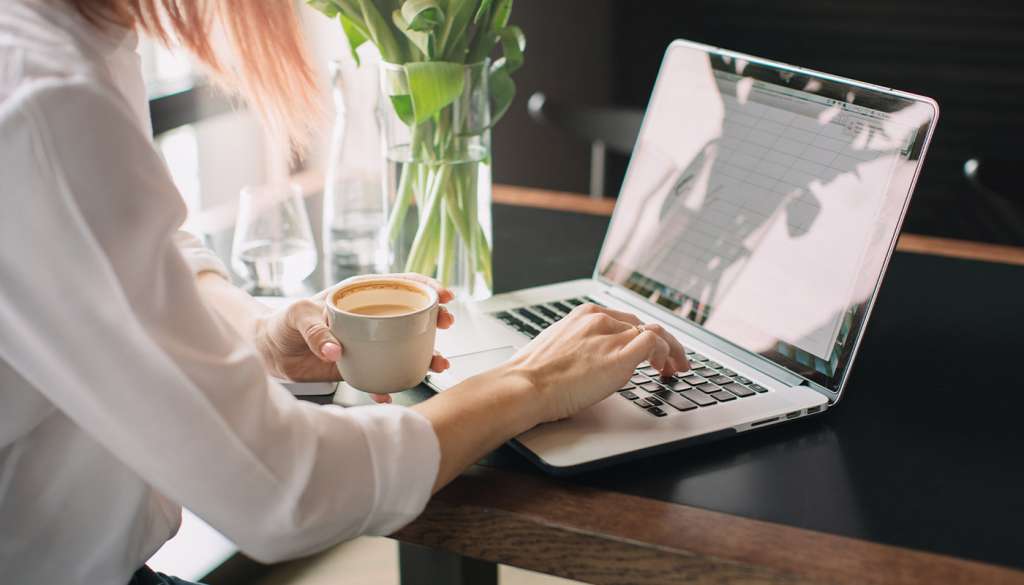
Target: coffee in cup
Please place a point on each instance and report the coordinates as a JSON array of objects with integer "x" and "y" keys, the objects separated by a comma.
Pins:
[
  {"x": 387, "y": 326},
  {"x": 383, "y": 310}
]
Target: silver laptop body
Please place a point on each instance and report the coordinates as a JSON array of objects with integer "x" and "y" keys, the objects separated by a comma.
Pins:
[{"x": 758, "y": 214}]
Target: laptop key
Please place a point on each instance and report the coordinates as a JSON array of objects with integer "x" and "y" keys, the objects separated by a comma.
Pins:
[
  {"x": 561, "y": 307},
  {"x": 694, "y": 380},
  {"x": 592, "y": 301},
  {"x": 680, "y": 385},
  {"x": 529, "y": 331},
  {"x": 628, "y": 394},
  {"x": 652, "y": 401},
  {"x": 758, "y": 388},
  {"x": 699, "y": 397},
  {"x": 649, "y": 370},
  {"x": 509, "y": 319},
  {"x": 676, "y": 401},
  {"x": 638, "y": 379},
  {"x": 739, "y": 390},
  {"x": 709, "y": 387},
  {"x": 727, "y": 372},
  {"x": 743, "y": 380},
  {"x": 657, "y": 411},
  {"x": 530, "y": 316},
  {"x": 723, "y": 396},
  {"x": 712, "y": 364},
  {"x": 551, "y": 315},
  {"x": 521, "y": 326},
  {"x": 697, "y": 357},
  {"x": 720, "y": 379},
  {"x": 651, "y": 386},
  {"x": 706, "y": 372},
  {"x": 573, "y": 302}
]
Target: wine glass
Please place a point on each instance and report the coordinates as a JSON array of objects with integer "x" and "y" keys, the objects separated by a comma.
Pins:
[{"x": 273, "y": 247}]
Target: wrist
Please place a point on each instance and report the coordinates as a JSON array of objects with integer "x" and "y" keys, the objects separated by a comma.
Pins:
[{"x": 516, "y": 394}]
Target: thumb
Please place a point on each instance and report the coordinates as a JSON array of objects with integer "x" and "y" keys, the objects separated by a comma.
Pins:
[{"x": 308, "y": 318}]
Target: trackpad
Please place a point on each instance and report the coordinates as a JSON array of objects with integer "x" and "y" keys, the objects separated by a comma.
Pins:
[{"x": 469, "y": 365}]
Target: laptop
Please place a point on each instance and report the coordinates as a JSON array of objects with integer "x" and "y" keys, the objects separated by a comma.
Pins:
[{"x": 757, "y": 216}]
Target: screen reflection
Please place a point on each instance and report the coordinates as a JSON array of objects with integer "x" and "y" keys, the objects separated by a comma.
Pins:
[{"x": 762, "y": 204}]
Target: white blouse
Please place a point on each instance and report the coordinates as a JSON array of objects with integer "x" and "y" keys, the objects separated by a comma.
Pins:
[{"x": 122, "y": 396}]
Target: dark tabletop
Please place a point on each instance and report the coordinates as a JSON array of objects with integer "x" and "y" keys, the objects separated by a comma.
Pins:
[{"x": 924, "y": 451}]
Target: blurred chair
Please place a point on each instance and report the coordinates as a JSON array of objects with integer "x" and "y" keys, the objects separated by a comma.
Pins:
[
  {"x": 996, "y": 181},
  {"x": 187, "y": 106},
  {"x": 606, "y": 129}
]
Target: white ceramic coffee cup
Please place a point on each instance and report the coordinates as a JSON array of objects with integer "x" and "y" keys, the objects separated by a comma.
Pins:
[{"x": 383, "y": 353}]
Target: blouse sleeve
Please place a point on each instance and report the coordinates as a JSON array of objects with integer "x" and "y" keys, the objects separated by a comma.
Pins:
[
  {"x": 198, "y": 257},
  {"x": 100, "y": 312}
]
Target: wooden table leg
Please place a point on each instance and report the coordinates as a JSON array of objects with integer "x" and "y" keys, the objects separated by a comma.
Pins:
[{"x": 420, "y": 565}]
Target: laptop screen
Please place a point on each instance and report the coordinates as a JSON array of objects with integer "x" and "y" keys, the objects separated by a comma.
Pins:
[{"x": 761, "y": 203}]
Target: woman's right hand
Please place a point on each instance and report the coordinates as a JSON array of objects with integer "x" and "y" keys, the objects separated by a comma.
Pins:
[
  {"x": 590, "y": 354},
  {"x": 573, "y": 364}
]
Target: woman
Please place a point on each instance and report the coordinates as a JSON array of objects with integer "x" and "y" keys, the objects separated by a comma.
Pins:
[{"x": 134, "y": 377}]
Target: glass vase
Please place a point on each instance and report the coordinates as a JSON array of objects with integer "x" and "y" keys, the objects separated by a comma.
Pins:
[{"x": 437, "y": 183}]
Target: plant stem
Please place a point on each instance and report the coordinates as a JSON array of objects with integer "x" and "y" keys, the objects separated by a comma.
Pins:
[
  {"x": 447, "y": 255},
  {"x": 426, "y": 235},
  {"x": 469, "y": 207},
  {"x": 405, "y": 189}
]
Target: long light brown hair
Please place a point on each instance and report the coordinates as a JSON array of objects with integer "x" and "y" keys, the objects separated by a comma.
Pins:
[{"x": 264, "y": 58}]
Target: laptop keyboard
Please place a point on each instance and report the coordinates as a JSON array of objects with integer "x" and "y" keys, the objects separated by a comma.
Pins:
[
  {"x": 706, "y": 384},
  {"x": 530, "y": 321}
]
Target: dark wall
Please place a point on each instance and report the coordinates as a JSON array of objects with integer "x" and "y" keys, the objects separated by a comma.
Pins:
[
  {"x": 967, "y": 55},
  {"x": 568, "y": 57}
]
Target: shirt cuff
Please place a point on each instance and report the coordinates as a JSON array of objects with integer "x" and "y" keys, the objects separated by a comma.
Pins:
[
  {"x": 199, "y": 257},
  {"x": 405, "y": 457}
]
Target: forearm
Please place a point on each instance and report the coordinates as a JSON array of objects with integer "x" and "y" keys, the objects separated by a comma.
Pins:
[
  {"x": 232, "y": 303},
  {"x": 477, "y": 416}
]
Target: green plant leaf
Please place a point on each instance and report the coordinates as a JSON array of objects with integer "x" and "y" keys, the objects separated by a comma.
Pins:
[
  {"x": 502, "y": 11},
  {"x": 422, "y": 15},
  {"x": 355, "y": 34},
  {"x": 482, "y": 11},
  {"x": 502, "y": 90},
  {"x": 403, "y": 107},
  {"x": 453, "y": 39},
  {"x": 327, "y": 7},
  {"x": 381, "y": 33},
  {"x": 513, "y": 44},
  {"x": 433, "y": 85},
  {"x": 420, "y": 40},
  {"x": 489, "y": 33}
]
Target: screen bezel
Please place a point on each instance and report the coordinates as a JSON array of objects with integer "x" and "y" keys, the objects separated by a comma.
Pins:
[{"x": 831, "y": 386}]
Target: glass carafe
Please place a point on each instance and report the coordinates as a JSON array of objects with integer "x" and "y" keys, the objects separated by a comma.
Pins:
[{"x": 353, "y": 210}]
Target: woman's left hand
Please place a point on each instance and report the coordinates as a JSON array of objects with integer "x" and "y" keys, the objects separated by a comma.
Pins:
[{"x": 296, "y": 343}]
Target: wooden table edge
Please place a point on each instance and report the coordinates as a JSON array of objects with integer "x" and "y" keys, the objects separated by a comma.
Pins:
[{"x": 600, "y": 537}]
